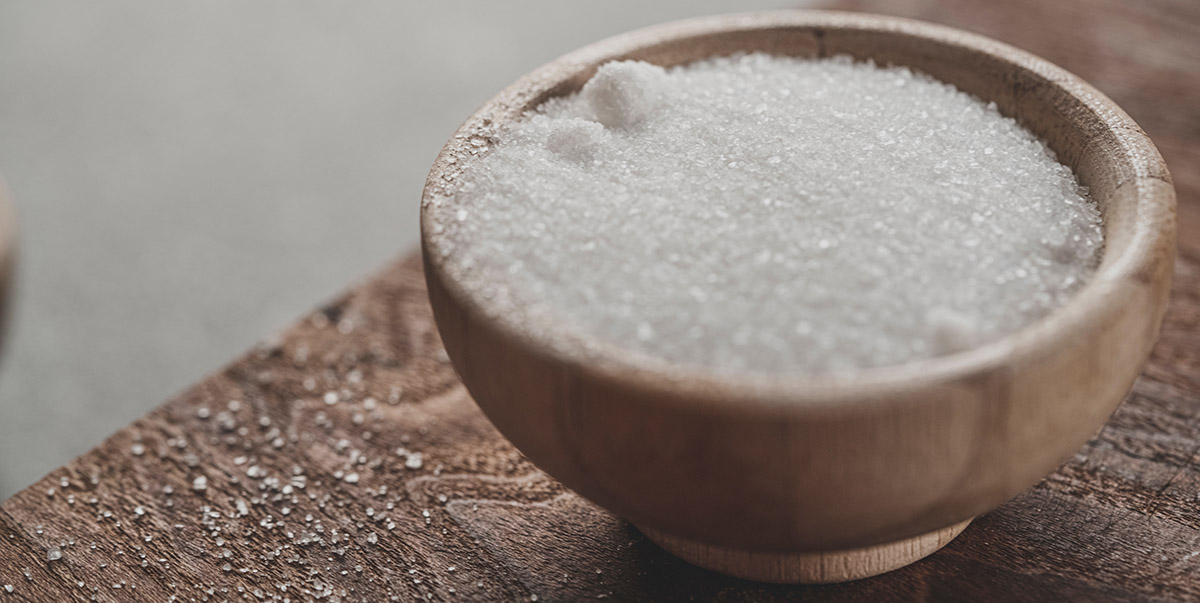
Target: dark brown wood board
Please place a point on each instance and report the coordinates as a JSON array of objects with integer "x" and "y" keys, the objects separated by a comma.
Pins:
[{"x": 397, "y": 487}]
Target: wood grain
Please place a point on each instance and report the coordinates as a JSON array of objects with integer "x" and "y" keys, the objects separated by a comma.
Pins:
[{"x": 1118, "y": 522}]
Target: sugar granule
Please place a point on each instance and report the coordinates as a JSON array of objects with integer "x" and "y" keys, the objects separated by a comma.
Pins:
[{"x": 759, "y": 213}]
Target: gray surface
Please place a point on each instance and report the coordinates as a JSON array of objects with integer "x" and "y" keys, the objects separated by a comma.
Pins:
[{"x": 191, "y": 175}]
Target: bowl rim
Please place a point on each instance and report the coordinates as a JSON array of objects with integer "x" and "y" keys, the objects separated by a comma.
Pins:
[{"x": 775, "y": 392}]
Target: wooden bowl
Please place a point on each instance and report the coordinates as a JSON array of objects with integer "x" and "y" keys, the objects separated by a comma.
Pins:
[{"x": 828, "y": 478}]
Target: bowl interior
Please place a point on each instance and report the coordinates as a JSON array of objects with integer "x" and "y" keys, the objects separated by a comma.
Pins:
[{"x": 1089, "y": 134}]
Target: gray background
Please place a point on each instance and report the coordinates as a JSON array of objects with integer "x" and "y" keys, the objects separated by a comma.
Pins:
[{"x": 192, "y": 175}]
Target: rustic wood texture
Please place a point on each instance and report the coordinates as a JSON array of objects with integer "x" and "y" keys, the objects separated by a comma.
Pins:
[{"x": 1118, "y": 522}]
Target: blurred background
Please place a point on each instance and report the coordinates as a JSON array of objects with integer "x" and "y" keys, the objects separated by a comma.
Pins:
[{"x": 190, "y": 176}]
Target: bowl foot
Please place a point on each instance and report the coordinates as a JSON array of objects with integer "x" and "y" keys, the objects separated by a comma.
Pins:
[{"x": 807, "y": 568}]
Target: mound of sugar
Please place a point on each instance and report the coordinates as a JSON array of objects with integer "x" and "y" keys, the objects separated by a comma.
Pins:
[
  {"x": 758, "y": 213},
  {"x": 625, "y": 93}
]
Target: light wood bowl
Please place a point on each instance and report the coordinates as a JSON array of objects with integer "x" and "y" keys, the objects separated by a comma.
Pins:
[{"x": 821, "y": 479}]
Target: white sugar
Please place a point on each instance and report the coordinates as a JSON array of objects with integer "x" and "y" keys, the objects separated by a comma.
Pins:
[{"x": 769, "y": 214}]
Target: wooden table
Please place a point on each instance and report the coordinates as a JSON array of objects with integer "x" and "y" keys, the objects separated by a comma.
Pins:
[{"x": 343, "y": 460}]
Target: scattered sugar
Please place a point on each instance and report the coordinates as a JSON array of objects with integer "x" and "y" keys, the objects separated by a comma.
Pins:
[
  {"x": 414, "y": 461},
  {"x": 769, "y": 214}
]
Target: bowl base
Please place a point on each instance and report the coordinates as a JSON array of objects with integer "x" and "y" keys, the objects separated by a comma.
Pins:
[{"x": 807, "y": 568}]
